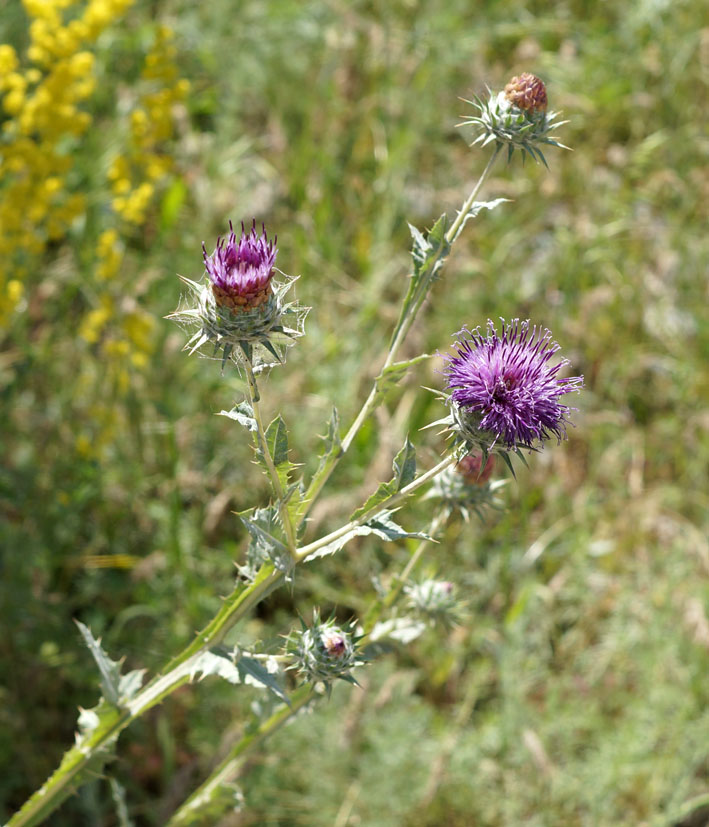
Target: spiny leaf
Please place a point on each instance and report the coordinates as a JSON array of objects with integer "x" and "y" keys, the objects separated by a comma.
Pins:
[
  {"x": 267, "y": 541},
  {"x": 243, "y": 414},
  {"x": 479, "y": 206},
  {"x": 393, "y": 374},
  {"x": 235, "y": 668},
  {"x": 277, "y": 443},
  {"x": 428, "y": 254},
  {"x": 381, "y": 526},
  {"x": 404, "y": 467},
  {"x": 110, "y": 670}
]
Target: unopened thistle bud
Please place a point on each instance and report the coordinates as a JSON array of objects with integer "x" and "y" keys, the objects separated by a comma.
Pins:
[
  {"x": 516, "y": 118},
  {"x": 324, "y": 652},
  {"x": 475, "y": 469},
  {"x": 527, "y": 92},
  {"x": 241, "y": 312},
  {"x": 434, "y": 599}
]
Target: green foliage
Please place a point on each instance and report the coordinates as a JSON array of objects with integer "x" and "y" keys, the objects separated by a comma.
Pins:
[{"x": 582, "y": 656}]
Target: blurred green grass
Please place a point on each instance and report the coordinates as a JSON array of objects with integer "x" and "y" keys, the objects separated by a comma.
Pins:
[{"x": 334, "y": 123}]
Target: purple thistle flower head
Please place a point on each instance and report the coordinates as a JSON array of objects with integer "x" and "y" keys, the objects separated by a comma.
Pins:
[
  {"x": 240, "y": 271},
  {"x": 503, "y": 385}
]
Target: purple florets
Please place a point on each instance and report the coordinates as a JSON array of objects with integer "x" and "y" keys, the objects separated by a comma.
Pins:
[
  {"x": 505, "y": 387},
  {"x": 240, "y": 271}
]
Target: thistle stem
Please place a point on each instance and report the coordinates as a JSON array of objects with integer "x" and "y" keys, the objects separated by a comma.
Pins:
[
  {"x": 262, "y": 445},
  {"x": 457, "y": 225},
  {"x": 229, "y": 766},
  {"x": 391, "y": 502},
  {"x": 178, "y": 672}
]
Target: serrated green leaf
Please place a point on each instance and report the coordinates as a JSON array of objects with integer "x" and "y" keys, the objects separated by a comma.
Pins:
[
  {"x": 259, "y": 675},
  {"x": 277, "y": 443},
  {"x": 267, "y": 540},
  {"x": 404, "y": 467},
  {"x": 393, "y": 374},
  {"x": 234, "y": 668},
  {"x": 110, "y": 670},
  {"x": 243, "y": 414},
  {"x": 428, "y": 254}
]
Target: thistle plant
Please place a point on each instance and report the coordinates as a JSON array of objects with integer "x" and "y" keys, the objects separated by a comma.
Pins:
[{"x": 503, "y": 396}]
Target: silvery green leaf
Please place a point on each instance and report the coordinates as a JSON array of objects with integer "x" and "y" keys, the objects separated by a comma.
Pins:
[
  {"x": 401, "y": 629},
  {"x": 382, "y": 526},
  {"x": 277, "y": 443},
  {"x": 267, "y": 542},
  {"x": 243, "y": 414},
  {"x": 235, "y": 669},
  {"x": 333, "y": 443},
  {"x": 130, "y": 683},
  {"x": 478, "y": 206},
  {"x": 110, "y": 670},
  {"x": 404, "y": 468}
]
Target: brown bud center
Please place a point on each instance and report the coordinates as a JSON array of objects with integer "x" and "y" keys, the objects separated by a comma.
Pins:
[{"x": 527, "y": 92}]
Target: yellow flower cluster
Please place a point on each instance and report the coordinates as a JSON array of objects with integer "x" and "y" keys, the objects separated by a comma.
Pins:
[
  {"x": 44, "y": 118},
  {"x": 133, "y": 175},
  {"x": 41, "y": 97}
]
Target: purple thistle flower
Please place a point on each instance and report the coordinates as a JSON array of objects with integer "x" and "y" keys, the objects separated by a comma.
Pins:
[
  {"x": 505, "y": 386},
  {"x": 240, "y": 271}
]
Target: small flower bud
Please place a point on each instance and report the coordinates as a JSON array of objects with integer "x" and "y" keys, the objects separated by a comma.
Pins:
[
  {"x": 324, "y": 651},
  {"x": 516, "y": 118},
  {"x": 527, "y": 92},
  {"x": 435, "y": 599},
  {"x": 473, "y": 470}
]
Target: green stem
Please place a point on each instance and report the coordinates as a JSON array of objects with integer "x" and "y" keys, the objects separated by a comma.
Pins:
[
  {"x": 230, "y": 765},
  {"x": 382, "y": 604},
  {"x": 178, "y": 672},
  {"x": 262, "y": 444},
  {"x": 390, "y": 502},
  {"x": 227, "y": 770},
  {"x": 457, "y": 225}
]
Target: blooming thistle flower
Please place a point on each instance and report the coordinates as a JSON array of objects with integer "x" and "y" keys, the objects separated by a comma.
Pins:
[
  {"x": 241, "y": 312},
  {"x": 516, "y": 118},
  {"x": 325, "y": 651},
  {"x": 504, "y": 393},
  {"x": 241, "y": 272}
]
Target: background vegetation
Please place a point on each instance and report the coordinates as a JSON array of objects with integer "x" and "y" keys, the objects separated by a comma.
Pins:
[{"x": 576, "y": 690}]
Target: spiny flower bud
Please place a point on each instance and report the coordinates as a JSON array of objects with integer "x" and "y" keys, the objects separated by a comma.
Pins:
[
  {"x": 527, "y": 92},
  {"x": 475, "y": 469},
  {"x": 324, "y": 652},
  {"x": 241, "y": 312},
  {"x": 516, "y": 118},
  {"x": 434, "y": 599}
]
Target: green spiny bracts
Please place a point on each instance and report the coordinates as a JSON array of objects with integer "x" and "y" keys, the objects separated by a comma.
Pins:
[
  {"x": 324, "y": 651},
  {"x": 516, "y": 118}
]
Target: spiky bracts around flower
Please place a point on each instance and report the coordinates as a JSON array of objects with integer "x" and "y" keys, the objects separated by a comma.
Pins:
[
  {"x": 464, "y": 488},
  {"x": 503, "y": 392},
  {"x": 435, "y": 600},
  {"x": 324, "y": 651},
  {"x": 516, "y": 118},
  {"x": 239, "y": 308}
]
